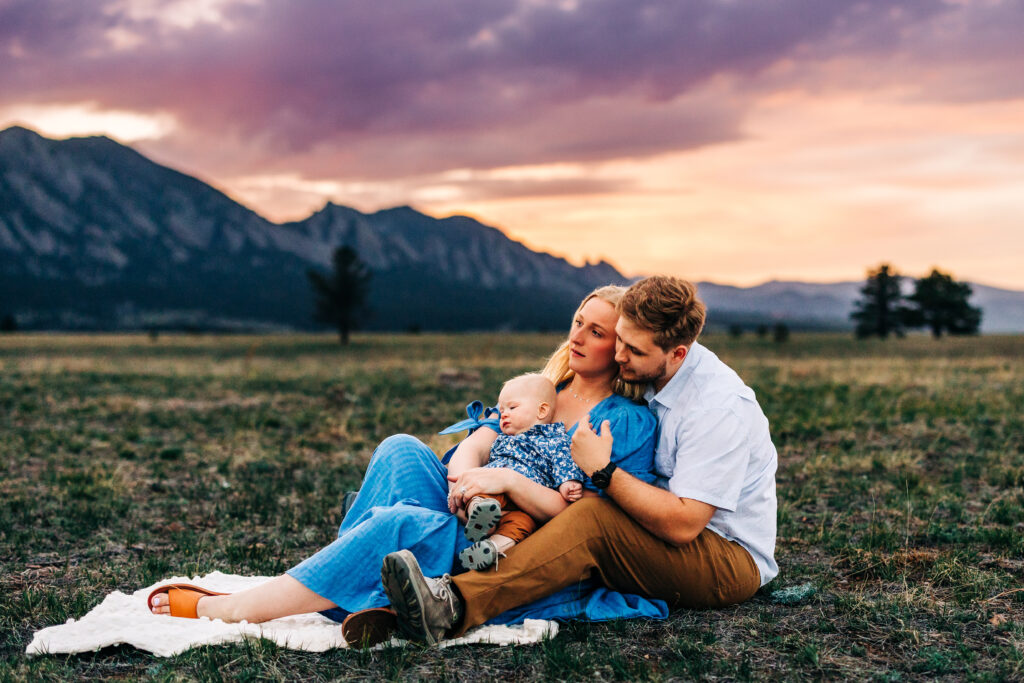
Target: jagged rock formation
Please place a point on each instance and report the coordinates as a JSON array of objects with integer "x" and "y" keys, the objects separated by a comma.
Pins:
[{"x": 94, "y": 235}]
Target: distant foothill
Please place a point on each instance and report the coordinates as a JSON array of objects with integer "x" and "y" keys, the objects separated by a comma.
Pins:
[{"x": 95, "y": 236}]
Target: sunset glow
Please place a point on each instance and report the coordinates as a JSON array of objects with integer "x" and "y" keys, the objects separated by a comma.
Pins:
[
  {"x": 718, "y": 141},
  {"x": 68, "y": 120}
]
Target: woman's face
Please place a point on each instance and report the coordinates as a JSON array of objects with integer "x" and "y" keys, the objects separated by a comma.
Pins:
[{"x": 592, "y": 339}]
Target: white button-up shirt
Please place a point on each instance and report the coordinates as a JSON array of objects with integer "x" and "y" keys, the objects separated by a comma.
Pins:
[{"x": 714, "y": 446}]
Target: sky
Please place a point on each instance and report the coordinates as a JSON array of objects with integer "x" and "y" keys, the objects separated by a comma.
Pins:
[{"x": 719, "y": 140}]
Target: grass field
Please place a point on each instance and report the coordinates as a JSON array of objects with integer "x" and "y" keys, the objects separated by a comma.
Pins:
[{"x": 901, "y": 499}]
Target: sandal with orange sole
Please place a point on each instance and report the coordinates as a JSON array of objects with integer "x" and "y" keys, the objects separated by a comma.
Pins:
[{"x": 182, "y": 598}]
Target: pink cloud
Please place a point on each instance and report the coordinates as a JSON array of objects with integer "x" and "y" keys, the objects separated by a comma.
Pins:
[
  {"x": 357, "y": 90},
  {"x": 292, "y": 77}
]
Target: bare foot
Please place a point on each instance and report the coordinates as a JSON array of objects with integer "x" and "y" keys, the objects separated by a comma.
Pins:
[{"x": 279, "y": 597}]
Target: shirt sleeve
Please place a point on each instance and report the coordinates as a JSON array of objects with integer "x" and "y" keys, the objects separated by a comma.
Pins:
[
  {"x": 711, "y": 459},
  {"x": 563, "y": 467}
]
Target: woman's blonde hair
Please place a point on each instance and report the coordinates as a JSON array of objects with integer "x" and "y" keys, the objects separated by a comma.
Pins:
[{"x": 557, "y": 368}]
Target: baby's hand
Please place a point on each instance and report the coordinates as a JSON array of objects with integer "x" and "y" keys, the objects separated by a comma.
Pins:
[
  {"x": 454, "y": 506},
  {"x": 571, "y": 491}
]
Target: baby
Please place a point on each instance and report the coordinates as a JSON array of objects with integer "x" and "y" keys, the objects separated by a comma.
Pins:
[{"x": 531, "y": 445}]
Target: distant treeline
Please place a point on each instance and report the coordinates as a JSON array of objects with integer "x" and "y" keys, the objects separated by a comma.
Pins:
[{"x": 937, "y": 303}]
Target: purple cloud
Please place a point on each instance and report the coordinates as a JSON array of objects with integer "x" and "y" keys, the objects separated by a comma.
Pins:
[{"x": 363, "y": 90}]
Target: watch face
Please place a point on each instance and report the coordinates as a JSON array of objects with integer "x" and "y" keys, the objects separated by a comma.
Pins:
[{"x": 603, "y": 477}]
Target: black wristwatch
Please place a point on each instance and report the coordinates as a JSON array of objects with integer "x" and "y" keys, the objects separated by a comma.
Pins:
[{"x": 602, "y": 478}]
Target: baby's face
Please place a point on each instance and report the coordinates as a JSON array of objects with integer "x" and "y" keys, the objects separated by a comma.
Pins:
[{"x": 520, "y": 409}]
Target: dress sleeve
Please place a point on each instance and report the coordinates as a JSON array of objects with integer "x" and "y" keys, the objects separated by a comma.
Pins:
[
  {"x": 477, "y": 416},
  {"x": 634, "y": 432}
]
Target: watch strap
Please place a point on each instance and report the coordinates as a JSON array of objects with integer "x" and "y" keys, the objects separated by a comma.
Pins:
[{"x": 602, "y": 478}]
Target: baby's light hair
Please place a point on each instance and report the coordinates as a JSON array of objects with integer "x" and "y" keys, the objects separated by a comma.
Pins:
[{"x": 538, "y": 384}]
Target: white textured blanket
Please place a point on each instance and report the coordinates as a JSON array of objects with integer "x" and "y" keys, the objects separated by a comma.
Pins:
[{"x": 125, "y": 619}]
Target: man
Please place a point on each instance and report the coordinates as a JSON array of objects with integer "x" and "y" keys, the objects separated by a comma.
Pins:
[{"x": 703, "y": 536}]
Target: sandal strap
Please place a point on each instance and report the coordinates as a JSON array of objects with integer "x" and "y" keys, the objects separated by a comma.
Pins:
[
  {"x": 182, "y": 598},
  {"x": 183, "y": 602}
]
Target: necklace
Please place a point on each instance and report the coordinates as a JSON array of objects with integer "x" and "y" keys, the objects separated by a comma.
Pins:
[{"x": 579, "y": 398}]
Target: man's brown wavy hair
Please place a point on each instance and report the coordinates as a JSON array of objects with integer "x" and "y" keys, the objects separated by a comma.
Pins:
[{"x": 666, "y": 306}]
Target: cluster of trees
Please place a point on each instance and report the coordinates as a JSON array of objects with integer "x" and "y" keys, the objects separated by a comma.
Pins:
[{"x": 938, "y": 303}]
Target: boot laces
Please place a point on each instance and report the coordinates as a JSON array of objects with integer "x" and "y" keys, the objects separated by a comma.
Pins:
[{"x": 441, "y": 589}]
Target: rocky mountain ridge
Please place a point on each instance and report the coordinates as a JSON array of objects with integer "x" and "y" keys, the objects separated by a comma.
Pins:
[{"x": 93, "y": 235}]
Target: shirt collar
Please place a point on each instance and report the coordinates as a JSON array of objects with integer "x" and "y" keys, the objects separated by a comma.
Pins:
[{"x": 670, "y": 392}]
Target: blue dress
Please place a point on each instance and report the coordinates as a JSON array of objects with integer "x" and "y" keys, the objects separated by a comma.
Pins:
[{"x": 403, "y": 504}]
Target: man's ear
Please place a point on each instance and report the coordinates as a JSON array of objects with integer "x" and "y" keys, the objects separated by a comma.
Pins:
[
  {"x": 678, "y": 354},
  {"x": 543, "y": 410}
]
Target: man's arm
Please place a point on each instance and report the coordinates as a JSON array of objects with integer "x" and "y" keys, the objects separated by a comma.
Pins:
[{"x": 675, "y": 520}]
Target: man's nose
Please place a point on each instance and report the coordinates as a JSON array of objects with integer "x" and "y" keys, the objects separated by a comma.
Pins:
[{"x": 621, "y": 357}]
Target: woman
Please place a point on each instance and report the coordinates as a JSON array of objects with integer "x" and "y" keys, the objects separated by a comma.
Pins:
[{"x": 408, "y": 497}]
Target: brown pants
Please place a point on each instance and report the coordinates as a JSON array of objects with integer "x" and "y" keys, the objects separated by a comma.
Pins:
[
  {"x": 515, "y": 523},
  {"x": 594, "y": 537}
]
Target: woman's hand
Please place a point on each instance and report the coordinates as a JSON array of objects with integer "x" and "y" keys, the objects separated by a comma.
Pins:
[{"x": 477, "y": 481}]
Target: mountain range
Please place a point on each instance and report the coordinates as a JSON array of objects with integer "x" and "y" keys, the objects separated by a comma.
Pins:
[{"x": 93, "y": 235}]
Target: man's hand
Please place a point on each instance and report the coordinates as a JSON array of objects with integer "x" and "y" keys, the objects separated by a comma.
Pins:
[
  {"x": 571, "y": 490},
  {"x": 590, "y": 451}
]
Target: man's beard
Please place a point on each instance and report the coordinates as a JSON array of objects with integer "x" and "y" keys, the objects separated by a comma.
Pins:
[{"x": 648, "y": 378}]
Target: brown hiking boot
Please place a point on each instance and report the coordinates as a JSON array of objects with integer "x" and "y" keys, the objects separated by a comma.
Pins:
[{"x": 427, "y": 608}]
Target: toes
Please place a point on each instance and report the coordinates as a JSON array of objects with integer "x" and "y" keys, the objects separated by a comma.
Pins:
[{"x": 160, "y": 604}]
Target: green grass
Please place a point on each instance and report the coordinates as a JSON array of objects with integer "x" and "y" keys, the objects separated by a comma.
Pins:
[{"x": 901, "y": 499}]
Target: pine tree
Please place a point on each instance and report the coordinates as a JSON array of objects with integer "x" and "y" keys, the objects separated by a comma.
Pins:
[
  {"x": 341, "y": 296},
  {"x": 880, "y": 311},
  {"x": 940, "y": 303}
]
